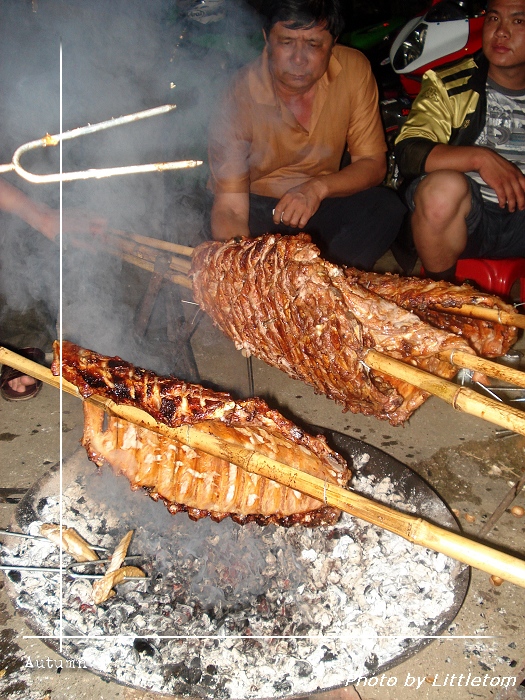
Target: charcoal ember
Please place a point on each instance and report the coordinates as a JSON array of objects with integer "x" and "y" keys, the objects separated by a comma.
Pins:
[
  {"x": 303, "y": 668},
  {"x": 82, "y": 590},
  {"x": 208, "y": 681},
  {"x": 392, "y": 590},
  {"x": 144, "y": 647},
  {"x": 372, "y": 662},
  {"x": 189, "y": 674},
  {"x": 264, "y": 607},
  {"x": 24, "y": 600},
  {"x": 283, "y": 686}
]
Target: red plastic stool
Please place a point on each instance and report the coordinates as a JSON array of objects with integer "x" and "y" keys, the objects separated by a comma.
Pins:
[{"x": 494, "y": 276}]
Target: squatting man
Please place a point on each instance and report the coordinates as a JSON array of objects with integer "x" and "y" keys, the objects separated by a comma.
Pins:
[{"x": 464, "y": 145}]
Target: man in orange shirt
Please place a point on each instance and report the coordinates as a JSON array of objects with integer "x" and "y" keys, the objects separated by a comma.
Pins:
[{"x": 298, "y": 143}]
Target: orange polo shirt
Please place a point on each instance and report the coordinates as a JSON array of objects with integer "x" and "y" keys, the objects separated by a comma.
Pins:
[{"x": 256, "y": 144}]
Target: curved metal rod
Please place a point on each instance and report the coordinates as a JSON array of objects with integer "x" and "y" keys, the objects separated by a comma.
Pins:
[{"x": 96, "y": 173}]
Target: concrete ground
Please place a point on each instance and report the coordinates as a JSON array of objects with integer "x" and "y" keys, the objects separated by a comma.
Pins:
[{"x": 461, "y": 456}]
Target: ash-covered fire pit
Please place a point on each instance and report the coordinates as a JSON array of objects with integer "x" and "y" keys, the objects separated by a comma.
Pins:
[{"x": 232, "y": 611}]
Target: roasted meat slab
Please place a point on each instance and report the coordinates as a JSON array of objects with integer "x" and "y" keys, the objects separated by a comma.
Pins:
[
  {"x": 187, "y": 479},
  {"x": 277, "y": 299},
  {"x": 420, "y": 295}
]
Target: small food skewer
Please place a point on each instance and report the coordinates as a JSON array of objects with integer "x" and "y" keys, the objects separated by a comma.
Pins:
[{"x": 411, "y": 528}]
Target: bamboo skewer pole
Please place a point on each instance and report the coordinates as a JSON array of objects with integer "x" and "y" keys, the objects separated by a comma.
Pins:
[
  {"x": 505, "y": 318},
  {"x": 492, "y": 369},
  {"x": 459, "y": 397},
  {"x": 484, "y": 313},
  {"x": 149, "y": 253},
  {"x": 410, "y": 527},
  {"x": 181, "y": 279},
  {"x": 184, "y": 250}
]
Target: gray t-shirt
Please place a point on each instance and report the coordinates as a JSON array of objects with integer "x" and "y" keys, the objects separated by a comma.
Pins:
[{"x": 504, "y": 129}]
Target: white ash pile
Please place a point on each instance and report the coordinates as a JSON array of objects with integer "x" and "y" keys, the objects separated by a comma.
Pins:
[{"x": 232, "y": 611}]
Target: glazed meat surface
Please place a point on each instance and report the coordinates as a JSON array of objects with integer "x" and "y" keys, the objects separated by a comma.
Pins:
[
  {"x": 187, "y": 479},
  {"x": 420, "y": 296},
  {"x": 277, "y": 299}
]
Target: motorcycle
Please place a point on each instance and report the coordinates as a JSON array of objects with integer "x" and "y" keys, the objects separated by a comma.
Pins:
[{"x": 448, "y": 31}]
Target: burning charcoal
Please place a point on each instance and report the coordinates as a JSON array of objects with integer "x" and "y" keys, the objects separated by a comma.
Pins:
[
  {"x": 44, "y": 503},
  {"x": 408, "y": 593},
  {"x": 15, "y": 576},
  {"x": 283, "y": 686},
  {"x": 116, "y": 616},
  {"x": 188, "y": 674},
  {"x": 208, "y": 681},
  {"x": 181, "y": 614},
  {"x": 144, "y": 647},
  {"x": 82, "y": 590},
  {"x": 24, "y": 600},
  {"x": 372, "y": 662},
  {"x": 303, "y": 668},
  {"x": 328, "y": 655},
  {"x": 139, "y": 622}
]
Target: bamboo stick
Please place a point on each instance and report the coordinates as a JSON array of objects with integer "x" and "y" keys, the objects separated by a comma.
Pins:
[
  {"x": 410, "y": 527},
  {"x": 181, "y": 279},
  {"x": 145, "y": 252},
  {"x": 500, "y": 316},
  {"x": 492, "y": 369},
  {"x": 505, "y": 318},
  {"x": 155, "y": 243},
  {"x": 459, "y": 397}
]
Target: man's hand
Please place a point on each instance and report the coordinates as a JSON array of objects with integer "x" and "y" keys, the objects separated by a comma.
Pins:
[
  {"x": 505, "y": 178},
  {"x": 298, "y": 205}
]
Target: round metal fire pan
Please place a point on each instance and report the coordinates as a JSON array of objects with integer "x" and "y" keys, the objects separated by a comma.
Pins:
[{"x": 418, "y": 495}]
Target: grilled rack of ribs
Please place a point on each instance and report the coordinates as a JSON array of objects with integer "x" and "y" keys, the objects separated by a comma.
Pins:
[
  {"x": 187, "y": 479},
  {"x": 277, "y": 299},
  {"x": 420, "y": 295}
]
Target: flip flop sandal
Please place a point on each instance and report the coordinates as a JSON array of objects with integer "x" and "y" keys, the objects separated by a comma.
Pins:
[{"x": 8, "y": 374}]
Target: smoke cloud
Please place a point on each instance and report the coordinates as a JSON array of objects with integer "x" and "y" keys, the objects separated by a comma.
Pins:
[{"x": 118, "y": 58}]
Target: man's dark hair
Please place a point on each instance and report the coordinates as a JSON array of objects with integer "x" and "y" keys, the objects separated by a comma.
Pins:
[{"x": 304, "y": 14}]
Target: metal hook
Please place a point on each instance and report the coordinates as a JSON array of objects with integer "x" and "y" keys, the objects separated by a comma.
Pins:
[
  {"x": 97, "y": 173},
  {"x": 71, "y": 568}
]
